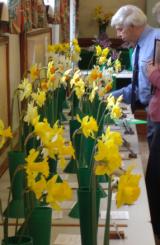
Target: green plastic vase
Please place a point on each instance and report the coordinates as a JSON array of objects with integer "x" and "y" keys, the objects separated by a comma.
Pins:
[
  {"x": 15, "y": 208},
  {"x": 39, "y": 225},
  {"x": 88, "y": 216},
  {"x": 71, "y": 166},
  {"x": 18, "y": 240}
]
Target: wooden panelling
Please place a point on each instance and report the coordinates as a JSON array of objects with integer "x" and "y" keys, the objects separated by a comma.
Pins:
[
  {"x": 4, "y": 81},
  {"x": 33, "y": 47},
  {"x": 86, "y": 42}
]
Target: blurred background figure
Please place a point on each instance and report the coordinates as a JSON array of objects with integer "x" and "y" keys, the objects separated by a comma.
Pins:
[
  {"x": 153, "y": 167},
  {"x": 156, "y": 12}
]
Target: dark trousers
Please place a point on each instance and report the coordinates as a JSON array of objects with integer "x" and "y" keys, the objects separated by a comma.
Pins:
[{"x": 153, "y": 180}]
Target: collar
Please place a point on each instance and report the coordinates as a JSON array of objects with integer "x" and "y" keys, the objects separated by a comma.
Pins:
[{"x": 144, "y": 34}]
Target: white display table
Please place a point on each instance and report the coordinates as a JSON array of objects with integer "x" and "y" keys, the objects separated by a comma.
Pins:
[{"x": 137, "y": 228}]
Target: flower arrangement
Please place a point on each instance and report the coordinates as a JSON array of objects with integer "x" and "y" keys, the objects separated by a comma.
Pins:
[
  {"x": 40, "y": 181},
  {"x": 100, "y": 16},
  {"x": 108, "y": 57},
  {"x": 105, "y": 159},
  {"x": 54, "y": 146},
  {"x": 49, "y": 148},
  {"x": 70, "y": 51},
  {"x": 93, "y": 145}
]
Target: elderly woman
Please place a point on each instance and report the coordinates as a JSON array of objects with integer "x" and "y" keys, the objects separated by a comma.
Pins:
[{"x": 131, "y": 26}]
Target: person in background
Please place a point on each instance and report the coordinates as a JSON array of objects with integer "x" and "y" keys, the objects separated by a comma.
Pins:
[
  {"x": 153, "y": 167},
  {"x": 131, "y": 25},
  {"x": 156, "y": 12}
]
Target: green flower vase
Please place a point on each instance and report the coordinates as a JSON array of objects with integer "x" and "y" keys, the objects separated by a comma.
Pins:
[
  {"x": 84, "y": 179},
  {"x": 71, "y": 166},
  {"x": 62, "y": 98},
  {"x": 15, "y": 208},
  {"x": 88, "y": 216},
  {"x": 18, "y": 240},
  {"x": 39, "y": 225}
]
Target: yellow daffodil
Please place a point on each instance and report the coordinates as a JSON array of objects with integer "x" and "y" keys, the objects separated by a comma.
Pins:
[
  {"x": 102, "y": 60},
  {"x": 107, "y": 154},
  {"x": 39, "y": 97},
  {"x": 35, "y": 72},
  {"x": 38, "y": 187},
  {"x": 116, "y": 112},
  {"x": 110, "y": 101},
  {"x": 128, "y": 189},
  {"x": 108, "y": 157},
  {"x": 75, "y": 78},
  {"x": 31, "y": 116},
  {"x": 109, "y": 61},
  {"x": 101, "y": 16},
  {"x": 94, "y": 75},
  {"x": 116, "y": 137},
  {"x": 108, "y": 87},
  {"x": 50, "y": 48},
  {"x": 4, "y": 133},
  {"x": 25, "y": 89},
  {"x": 105, "y": 52},
  {"x": 93, "y": 92},
  {"x": 77, "y": 49},
  {"x": 98, "y": 50},
  {"x": 44, "y": 131},
  {"x": 88, "y": 126},
  {"x": 119, "y": 99},
  {"x": 75, "y": 57},
  {"x": 37, "y": 172},
  {"x": 44, "y": 85},
  {"x": 57, "y": 192},
  {"x": 117, "y": 65},
  {"x": 79, "y": 88},
  {"x": 51, "y": 71},
  {"x": 74, "y": 42},
  {"x": 35, "y": 166}
]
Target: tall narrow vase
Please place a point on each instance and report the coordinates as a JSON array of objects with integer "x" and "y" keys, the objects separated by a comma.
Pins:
[
  {"x": 73, "y": 125},
  {"x": 39, "y": 225},
  {"x": 15, "y": 208},
  {"x": 88, "y": 216},
  {"x": 20, "y": 240}
]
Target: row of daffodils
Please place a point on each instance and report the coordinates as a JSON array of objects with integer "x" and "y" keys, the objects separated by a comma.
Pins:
[{"x": 41, "y": 98}]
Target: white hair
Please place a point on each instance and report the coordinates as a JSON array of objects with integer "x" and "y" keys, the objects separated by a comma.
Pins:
[
  {"x": 129, "y": 15},
  {"x": 156, "y": 11}
]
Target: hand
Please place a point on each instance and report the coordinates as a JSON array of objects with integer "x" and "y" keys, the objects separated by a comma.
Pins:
[{"x": 151, "y": 68}]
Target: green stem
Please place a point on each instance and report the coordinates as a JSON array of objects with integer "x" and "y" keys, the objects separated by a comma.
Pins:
[
  {"x": 99, "y": 110},
  {"x": 92, "y": 163},
  {"x": 107, "y": 224},
  {"x": 57, "y": 105},
  {"x": 5, "y": 222},
  {"x": 29, "y": 136},
  {"x": 90, "y": 61},
  {"x": 72, "y": 104},
  {"x": 74, "y": 145}
]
